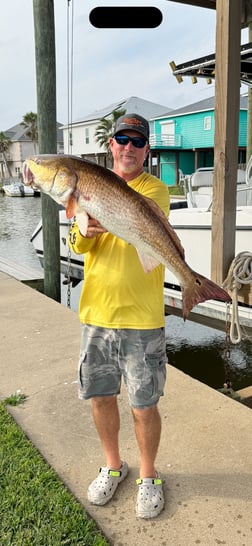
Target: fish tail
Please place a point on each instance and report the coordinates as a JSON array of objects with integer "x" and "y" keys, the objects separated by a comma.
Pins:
[{"x": 201, "y": 289}]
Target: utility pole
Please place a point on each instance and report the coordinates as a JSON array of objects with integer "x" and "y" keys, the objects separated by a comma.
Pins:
[{"x": 43, "y": 13}]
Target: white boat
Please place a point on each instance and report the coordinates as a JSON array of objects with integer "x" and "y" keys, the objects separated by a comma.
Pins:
[
  {"x": 193, "y": 227},
  {"x": 199, "y": 187},
  {"x": 18, "y": 189},
  {"x": 76, "y": 261}
]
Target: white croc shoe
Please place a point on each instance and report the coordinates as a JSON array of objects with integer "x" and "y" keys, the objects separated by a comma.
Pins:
[
  {"x": 150, "y": 497},
  {"x": 102, "y": 489}
]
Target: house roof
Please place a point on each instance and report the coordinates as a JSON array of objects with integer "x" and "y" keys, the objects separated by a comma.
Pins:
[
  {"x": 144, "y": 107},
  {"x": 17, "y": 133},
  {"x": 201, "y": 106}
]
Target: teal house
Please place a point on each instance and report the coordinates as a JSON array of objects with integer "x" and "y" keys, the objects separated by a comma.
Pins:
[{"x": 183, "y": 140}]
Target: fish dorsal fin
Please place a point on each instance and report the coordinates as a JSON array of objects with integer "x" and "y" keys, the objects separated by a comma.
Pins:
[
  {"x": 172, "y": 234},
  {"x": 82, "y": 221},
  {"x": 175, "y": 239},
  {"x": 155, "y": 207}
]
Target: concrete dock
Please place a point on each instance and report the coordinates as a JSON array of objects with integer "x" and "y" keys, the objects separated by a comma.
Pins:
[{"x": 205, "y": 454}]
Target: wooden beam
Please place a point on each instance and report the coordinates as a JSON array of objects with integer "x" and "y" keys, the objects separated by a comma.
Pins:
[
  {"x": 227, "y": 106},
  {"x": 210, "y": 4}
]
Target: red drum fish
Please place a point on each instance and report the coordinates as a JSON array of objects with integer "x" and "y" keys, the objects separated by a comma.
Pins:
[{"x": 89, "y": 190}]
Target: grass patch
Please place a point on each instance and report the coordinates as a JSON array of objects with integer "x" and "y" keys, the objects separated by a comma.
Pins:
[
  {"x": 36, "y": 508},
  {"x": 15, "y": 399},
  {"x": 176, "y": 190}
]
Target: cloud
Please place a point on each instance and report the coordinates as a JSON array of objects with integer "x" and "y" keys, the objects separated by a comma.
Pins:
[{"x": 108, "y": 65}]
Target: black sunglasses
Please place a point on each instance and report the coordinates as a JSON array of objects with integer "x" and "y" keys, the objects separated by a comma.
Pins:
[{"x": 123, "y": 140}]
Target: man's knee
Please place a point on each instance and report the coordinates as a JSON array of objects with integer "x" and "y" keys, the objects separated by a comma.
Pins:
[
  {"x": 104, "y": 401},
  {"x": 145, "y": 414}
]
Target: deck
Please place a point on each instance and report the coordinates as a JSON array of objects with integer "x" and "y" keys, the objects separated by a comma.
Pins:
[
  {"x": 28, "y": 275},
  {"x": 205, "y": 450}
]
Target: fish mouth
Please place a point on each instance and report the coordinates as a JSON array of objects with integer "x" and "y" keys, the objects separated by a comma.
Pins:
[{"x": 29, "y": 179}]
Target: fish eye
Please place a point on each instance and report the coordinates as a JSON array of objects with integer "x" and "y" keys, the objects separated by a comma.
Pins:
[{"x": 62, "y": 175}]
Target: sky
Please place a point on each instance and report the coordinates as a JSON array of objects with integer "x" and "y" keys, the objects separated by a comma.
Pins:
[{"x": 108, "y": 64}]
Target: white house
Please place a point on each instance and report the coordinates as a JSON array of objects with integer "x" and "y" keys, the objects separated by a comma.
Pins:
[{"x": 79, "y": 139}]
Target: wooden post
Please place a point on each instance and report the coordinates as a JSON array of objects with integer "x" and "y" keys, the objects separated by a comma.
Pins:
[
  {"x": 249, "y": 118},
  {"x": 158, "y": 165},
  {"x": 227, "y": 107},
  {"x": 43, "y": 12},
  {"x": 150, "y": 162}
]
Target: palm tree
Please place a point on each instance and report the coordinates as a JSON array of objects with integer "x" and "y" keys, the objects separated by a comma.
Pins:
[
  {"x": 30, "y": 122},
  {"x": 4, "y": 146},
  {"x": 105, "y": 128}
]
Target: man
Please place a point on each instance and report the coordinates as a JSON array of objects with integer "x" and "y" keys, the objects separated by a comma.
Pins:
[{"x": 122, "y": 314}]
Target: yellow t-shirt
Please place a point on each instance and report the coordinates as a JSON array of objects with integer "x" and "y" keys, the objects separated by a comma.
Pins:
[{"x": 116, "y": 292}]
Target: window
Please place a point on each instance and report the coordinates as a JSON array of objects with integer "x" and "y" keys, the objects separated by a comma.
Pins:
[
  {"x": 87, "y": 135},
  {"x": 167, "y": 133},
  {"x": 207, "y": 123}
]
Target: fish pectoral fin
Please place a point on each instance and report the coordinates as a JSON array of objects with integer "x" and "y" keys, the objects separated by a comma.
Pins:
[
  {"x": 82, "y": 221},
  {"x": 148, "y": 262},
  {"x": 71, "y": 206}
]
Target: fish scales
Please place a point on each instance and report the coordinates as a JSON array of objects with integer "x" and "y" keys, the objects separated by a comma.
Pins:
[{"x": 119, "y": 213}]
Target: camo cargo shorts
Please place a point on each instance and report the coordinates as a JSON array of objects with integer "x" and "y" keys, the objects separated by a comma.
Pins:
[{"x": 107, "y": 355}]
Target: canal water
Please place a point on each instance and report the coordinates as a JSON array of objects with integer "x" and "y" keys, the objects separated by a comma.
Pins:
[{"x": 197, "y": 350}]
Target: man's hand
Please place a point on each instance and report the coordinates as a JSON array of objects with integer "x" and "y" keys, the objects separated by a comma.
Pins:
[{"x": 94, "y": 228}]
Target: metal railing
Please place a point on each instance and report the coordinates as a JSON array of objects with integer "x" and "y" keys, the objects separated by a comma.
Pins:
[{"x": 165, "y": 141}]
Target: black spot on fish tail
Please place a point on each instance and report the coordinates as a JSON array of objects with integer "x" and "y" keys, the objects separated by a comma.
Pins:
[{"x": 200, "y": 290}]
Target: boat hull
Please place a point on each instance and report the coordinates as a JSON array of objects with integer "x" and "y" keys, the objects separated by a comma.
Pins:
[
  {"x": 70, "y": 263},
  {"x": 193, "y": 227},
  {"x": 18, "y": 190}
]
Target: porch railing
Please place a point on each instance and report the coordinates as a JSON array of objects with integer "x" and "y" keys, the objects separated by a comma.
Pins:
[{"x": 165, "y": 141}]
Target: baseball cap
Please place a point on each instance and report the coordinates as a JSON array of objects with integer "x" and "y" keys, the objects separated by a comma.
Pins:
[{"x": 133, "y": 122}]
